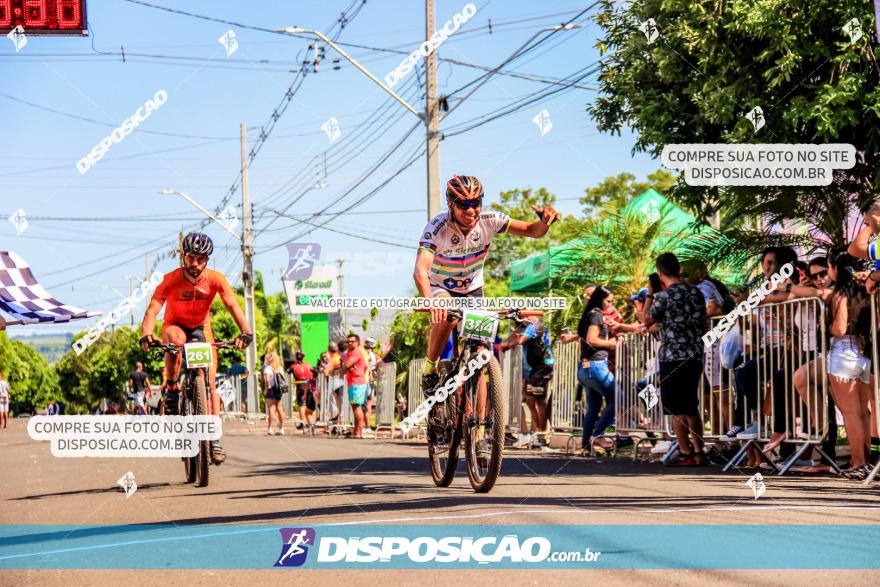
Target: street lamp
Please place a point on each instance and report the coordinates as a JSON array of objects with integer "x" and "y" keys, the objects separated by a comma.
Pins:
[{"x": 296, "y": 30}]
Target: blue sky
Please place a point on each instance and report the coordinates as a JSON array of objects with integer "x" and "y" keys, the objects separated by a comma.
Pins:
[{"x": 210, "y": 94}]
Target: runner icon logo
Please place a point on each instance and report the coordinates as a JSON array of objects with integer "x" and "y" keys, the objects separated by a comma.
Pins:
[
  {"x": 301, "y": 259},
  {"x": 294, "y": 548},
  {"x": 756, "y": 483},
  {"x": 649, "y": 396}
]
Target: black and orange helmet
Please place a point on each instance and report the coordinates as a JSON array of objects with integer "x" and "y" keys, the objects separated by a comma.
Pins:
[{"x": 464, "y": 187}]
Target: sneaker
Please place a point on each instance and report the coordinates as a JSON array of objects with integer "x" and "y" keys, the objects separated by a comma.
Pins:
[
  {"x": 368, "y": 433},
  {"x": 682, "y": 461},
  {"x": 749, "y": 433},
  {"x": 731, "y": 434},
  {"x": 541, "y": 441},
  {"x": 429, "y": 383},
  {"x": 312, "y": 430},
  {"x": 661, "y": 448},
  {"x": 279, "y": 432},
  {"x": 780, "y": 461},
  {"x": 219, "y": 455},
  {"x": 484, "y": 449},
  {"x": 715, "y": 457},
  {"x": 858, "y": 474},
  {"x": 270, "y": 432},
  {"x": 523, "y": 441}
]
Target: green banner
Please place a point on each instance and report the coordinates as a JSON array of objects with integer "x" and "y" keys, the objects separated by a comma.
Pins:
[{"x": 315, "y": 334}]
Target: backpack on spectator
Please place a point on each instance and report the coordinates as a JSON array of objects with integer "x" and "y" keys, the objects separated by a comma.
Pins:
[
  {"x": 280, "y": 382},
  {"x": 728, "y": 304}
]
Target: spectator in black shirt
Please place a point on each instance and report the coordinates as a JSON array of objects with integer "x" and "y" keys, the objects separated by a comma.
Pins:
[
  {"x": 680, "y": 310},
  {"x": 593, "y": 373},
  {"x": 138, "y": 382}
]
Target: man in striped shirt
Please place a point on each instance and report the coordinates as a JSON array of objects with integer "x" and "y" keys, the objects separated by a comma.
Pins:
[{"x": 452, "y": 249}]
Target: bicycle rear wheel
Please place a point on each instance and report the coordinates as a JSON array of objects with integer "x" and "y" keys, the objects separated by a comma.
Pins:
[
  {"x": 484, "y": 438},
  {"x": 444, "y": 440},
  {"x": 200, "y": 401}
]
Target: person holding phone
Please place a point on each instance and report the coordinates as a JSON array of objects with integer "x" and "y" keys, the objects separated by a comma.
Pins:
[{"x": 680, "y": 311}]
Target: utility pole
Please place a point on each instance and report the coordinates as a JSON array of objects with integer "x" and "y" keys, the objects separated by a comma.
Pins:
[
  {"x": 432, "y": 117},
  {"x": 130, "y": 296},
  {"x": 247, "y": 250},
  {"x": 341, "y": 276}
]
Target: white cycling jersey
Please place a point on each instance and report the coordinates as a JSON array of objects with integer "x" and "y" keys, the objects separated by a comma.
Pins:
[{"x": 458, "y": 258}]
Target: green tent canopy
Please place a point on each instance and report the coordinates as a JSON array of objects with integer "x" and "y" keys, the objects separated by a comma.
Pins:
[{"x": 535, "y": 273}]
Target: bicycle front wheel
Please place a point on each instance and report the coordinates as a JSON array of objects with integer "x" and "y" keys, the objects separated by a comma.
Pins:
[
  {"x": 189, "y": 463},
  {"x": 444, "y": 439},
  {"x": 484, "y": 436},
  {"x": 200, "y": 401}
]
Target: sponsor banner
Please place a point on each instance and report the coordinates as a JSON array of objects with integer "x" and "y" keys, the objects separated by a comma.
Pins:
[
  {"x": 479, "y": 546},
  {"x": 321, "y": 285}
]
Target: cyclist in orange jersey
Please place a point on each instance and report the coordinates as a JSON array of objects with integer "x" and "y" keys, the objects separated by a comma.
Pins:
[{"x": 187, "y": 294}]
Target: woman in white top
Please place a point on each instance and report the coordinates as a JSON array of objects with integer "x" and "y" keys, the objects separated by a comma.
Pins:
[{"x": 272, "y": 392}]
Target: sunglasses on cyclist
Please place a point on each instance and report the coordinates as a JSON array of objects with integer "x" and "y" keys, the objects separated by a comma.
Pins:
[
  {"x": 468, "y": 204},
  {"x": 819, "y": 274}
]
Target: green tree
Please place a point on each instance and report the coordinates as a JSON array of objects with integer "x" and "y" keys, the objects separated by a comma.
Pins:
[
  {"x": 507, "y": 248},
  {"x": 32, "y": 381},
  {"x": 409, "y": 341},
  {"x": 102, "y": 371},
  {"x": 615, "y": 192},
  {"x": 714, "y": 62},
  {"x": 225, "y": 328}
]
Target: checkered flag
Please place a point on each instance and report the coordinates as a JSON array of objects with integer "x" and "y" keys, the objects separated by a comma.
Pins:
[{"x": 22, "y": 296}]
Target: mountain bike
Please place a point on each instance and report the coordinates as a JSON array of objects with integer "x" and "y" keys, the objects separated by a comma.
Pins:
[
  {"x": 475, "y": 412},
  {"x": 195, "y": 399}
]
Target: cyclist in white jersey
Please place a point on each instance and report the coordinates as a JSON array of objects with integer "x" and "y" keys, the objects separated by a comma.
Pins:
[{"x": 452, "y": 249}]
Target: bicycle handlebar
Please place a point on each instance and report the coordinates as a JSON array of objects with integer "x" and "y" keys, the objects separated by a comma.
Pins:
[
  {"x": 455, "y": 314},
  {"x": 174, "y": 348}
]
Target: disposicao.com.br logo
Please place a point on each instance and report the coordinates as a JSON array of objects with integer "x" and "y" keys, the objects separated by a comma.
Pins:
[{"x": 398, "y": 551}]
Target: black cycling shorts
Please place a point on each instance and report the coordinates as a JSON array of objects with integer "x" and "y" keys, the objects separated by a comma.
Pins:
[
  {"x": 304, "y": 396},
  {"x": 679, "y": 386},
  {"x": 436, "y": 290},
  {"x": 540, "y": 379}
]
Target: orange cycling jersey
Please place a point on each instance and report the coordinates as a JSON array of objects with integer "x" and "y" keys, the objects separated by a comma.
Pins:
[{"x": 189, "y": 304}]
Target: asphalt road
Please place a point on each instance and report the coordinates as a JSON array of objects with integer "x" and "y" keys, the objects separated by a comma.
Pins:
[{"x": 295, "y": 480}]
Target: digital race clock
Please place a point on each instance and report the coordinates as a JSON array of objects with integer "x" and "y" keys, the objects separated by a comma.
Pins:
[{"x": 44, "y": 17}]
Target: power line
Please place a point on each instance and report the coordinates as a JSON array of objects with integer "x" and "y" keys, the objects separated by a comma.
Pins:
[
  {"x": 498, "y": 113},
  {"x": 106, "y": 124},
  {"x": 364, "y": 198},
  {"x": 338, "y": 163},
  {"x": 478, "y": 121}
]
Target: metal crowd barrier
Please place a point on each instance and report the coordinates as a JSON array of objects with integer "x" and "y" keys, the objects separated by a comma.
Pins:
[
  {"x": 414, "y": 396},
  {"x": 287, "y": 399},
  {"x": 386, "y": 375},
  {"x": 512, "y": 372},
  {"x": 564, "y": 415},
  {"x": 345, "y": 416},
  {"x": 638, "y": 409},
  {"x": 235, "y": 382},
  {"x": 778, "y": 340},
  {"x": 875, "y": 380}
]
